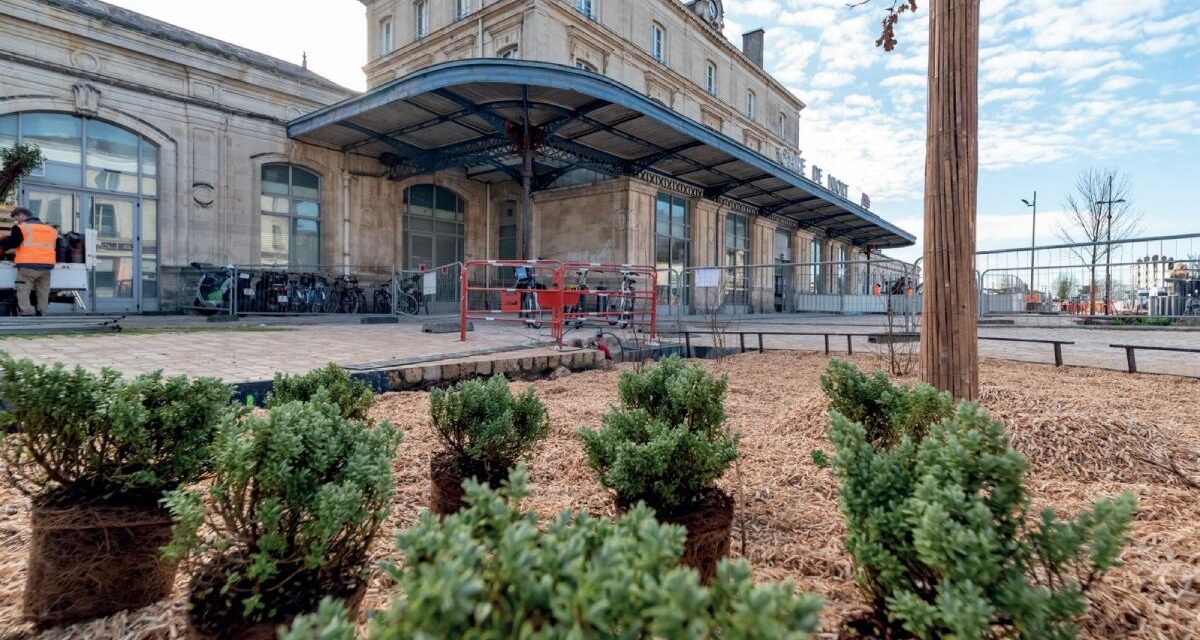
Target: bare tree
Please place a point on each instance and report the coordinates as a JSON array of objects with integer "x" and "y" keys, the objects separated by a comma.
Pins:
[
  {"x": 1100, "y": 211},
  {"x": 949, "y": 343}
]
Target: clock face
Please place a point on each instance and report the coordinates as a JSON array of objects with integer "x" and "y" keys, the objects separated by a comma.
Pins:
[{"x": 712, "y": 10}]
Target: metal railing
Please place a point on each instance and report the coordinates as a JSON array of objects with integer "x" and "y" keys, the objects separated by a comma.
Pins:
[
  {"x": 850, "y": 287},
  {"x": 1156, "y": 276}
]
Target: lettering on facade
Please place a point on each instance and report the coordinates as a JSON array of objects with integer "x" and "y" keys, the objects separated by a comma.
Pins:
[{"x": 797, "y": 164}]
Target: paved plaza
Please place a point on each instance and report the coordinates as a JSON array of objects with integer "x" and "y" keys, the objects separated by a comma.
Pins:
[{"x": 254, "y": 350}]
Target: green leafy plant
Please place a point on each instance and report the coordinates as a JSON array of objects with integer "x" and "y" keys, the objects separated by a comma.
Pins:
[
  {"x": 666, "y": 443},
  {"x": 489, "y": 572},
  {"x": 887, "y": 412},
  {"x": 16, "y": 162},
  {"x": 75, "y": 435},
  {"x": 296, "y": 499},
  {"x": 945, "y": 545},
  {"x": 352, "y": 397},
  {"x": 486, "y": 427}
]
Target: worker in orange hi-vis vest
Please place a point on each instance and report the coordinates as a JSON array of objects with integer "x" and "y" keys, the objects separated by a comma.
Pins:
[
  {"x": 36, "y": 243},
  {"x": 876, "y": 290}
]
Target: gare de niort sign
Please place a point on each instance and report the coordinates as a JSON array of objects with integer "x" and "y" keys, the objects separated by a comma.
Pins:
[{"x": 795, "y": 163}]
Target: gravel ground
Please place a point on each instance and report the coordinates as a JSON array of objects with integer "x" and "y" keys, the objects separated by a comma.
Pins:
[{"x": 1088, "y": 434}]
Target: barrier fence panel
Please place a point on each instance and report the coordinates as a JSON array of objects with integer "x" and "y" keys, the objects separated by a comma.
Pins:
[
  {"x": 1151, "y": 276},
  {"x": 858, "y": 287},
  {"x": 556, "y": 296},
  {"x": 436, "y": 291}
]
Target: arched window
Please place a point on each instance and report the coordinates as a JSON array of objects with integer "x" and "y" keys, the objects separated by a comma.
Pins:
[
  {"x": 580, "y": 63},
  {"x": 434, "y": 226},
  {"x": 291, "y": 216},
  {"x": 96, "y": 175}
]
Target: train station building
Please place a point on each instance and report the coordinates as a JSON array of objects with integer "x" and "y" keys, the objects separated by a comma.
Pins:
[{"x": 615, "y": 131}]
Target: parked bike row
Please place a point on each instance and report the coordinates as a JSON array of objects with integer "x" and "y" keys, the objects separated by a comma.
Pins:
[{"x": 245, "y": 290}]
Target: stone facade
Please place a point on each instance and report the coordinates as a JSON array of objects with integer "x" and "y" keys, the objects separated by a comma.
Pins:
[{"x": 217, "y": 115}]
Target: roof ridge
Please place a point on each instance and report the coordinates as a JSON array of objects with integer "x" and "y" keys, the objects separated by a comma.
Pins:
[{"x": 99, "y": 10}]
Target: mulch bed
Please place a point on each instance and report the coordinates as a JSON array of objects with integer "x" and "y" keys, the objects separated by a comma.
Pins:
[{"x": 1087, "y": 433}]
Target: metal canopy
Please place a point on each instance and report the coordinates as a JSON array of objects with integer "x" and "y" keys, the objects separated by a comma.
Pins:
[{"x": 472, "y": 114}]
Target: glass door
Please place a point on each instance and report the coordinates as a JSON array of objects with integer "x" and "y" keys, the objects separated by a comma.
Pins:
[{"x": 116, "y": 280}]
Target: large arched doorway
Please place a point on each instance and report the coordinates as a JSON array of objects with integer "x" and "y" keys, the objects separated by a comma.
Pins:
[
  {"x": 434, "y": 227},
  {"x": 98, "y": 176}
]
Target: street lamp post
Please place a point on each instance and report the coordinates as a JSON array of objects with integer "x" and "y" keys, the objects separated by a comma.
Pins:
[
  {"x": 1032, "y": 244},
  {"x": 1108, "y": 245}
]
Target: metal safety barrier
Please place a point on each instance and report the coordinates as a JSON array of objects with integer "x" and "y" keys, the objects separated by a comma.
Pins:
[{"x": 556, "y": 295}]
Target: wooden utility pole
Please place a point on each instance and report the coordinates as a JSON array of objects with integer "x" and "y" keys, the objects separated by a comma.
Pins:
[{"x": 949, "y": 347}]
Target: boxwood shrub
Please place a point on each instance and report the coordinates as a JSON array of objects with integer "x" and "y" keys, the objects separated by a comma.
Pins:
[
  {"x": 489, "y": 572},
  {"x": 486, "y": 427},
  {"x": 945, "y": 542},
  {"x": 352, "y": 397},
  {"x": 296, "y": 499},
  {"x": 887, "y": 412},
  {"x": 74, "y": 435},
  {"x": 666, "y": 443}
]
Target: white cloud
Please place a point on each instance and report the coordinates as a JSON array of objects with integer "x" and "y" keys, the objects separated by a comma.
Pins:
[
  {"x": 832, "y": 79},
  {"x": 756, "y": 8},
  {"x": 1119, "y": 83},
  {"x": 905, "y": 80},
  {"x": 1159, "y": 46}
]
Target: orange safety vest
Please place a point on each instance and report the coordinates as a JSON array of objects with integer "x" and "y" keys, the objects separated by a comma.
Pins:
[{"x": 38, "y": 245}]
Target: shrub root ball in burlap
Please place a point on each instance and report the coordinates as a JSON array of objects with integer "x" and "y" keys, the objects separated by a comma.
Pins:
[
  {"x": 211, "y": 618},
  {"x": 708, "y": 521},
  {"x": 446, "y": 477},
  {"x": 89, "y": 561}
]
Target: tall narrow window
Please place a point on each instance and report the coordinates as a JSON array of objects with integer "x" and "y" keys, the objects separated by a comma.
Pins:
[
  {"x": 422, "y": 19},
  {"x": 586, "y": 7},
  {"x": 843, "y": 281},
  {"x": 672, "y": 243},
  {"x": 710, "y": 79},
  {"x": 816, "y": 270},
  {"x": 658, "y": 43},
  {"x": 737, "y": 240},
  {"x": 385, "y": 36},
  {"x": 291, "y": 216},
  {"x": 461, "y": 9},
  {"x": 783, "y": 126},
  {"x": 751, "y": 106}
]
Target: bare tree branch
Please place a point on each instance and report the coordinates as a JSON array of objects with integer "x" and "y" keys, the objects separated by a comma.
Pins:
[
  {"x": 1087, "y": 212},
  {"x": 887, "y": 32}
]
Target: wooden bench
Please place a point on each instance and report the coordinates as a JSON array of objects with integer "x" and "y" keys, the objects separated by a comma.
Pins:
[{"x": 1131, "y": 359}]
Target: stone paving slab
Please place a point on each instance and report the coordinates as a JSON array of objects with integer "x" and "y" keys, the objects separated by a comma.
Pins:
[{"x": 243, "y": 356}]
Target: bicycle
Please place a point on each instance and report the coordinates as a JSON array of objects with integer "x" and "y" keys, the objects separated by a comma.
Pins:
[
  {"x": 580, "y": 287},
  {"x": 624, "y": 302},
  {"x": 531, "y": 311},
  {"x": 410, "y": 298}
]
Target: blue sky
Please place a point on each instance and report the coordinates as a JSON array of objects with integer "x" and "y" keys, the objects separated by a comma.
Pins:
[{"x": 1064, "y": 85}]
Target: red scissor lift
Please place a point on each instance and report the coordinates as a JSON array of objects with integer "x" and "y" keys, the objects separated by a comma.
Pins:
[{"x": 557, "y": 295}]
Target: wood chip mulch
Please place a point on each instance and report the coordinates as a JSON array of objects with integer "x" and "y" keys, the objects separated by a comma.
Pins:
[{"x": 1087, "y": 434}]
